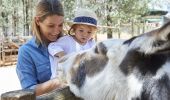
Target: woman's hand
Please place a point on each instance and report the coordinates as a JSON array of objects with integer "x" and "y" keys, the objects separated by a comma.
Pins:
[
  {"x": 59, "y": 82},
  {"x": 49, "y": 86}
]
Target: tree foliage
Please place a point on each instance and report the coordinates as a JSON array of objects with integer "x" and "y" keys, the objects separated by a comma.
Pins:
[
  {"x": 69, "y": 8},
  {"x": 16, "y": 15}
]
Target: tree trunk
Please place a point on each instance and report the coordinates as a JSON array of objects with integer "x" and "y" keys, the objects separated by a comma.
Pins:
[
  {"x": 14, "y": 22},
  {"x": 143, "y": 24},
  {"x": 109, "y": 21},
  {"x": 4, "y": 25},
  {"x": 0, "y": 3},
  {"x": 79, "y": 4},
  {"x": 31, "y": 9},
  {"x": 23, "y": 10},
  {"x": 27, "y": 18},
  {"x": 132, "y": 26}
]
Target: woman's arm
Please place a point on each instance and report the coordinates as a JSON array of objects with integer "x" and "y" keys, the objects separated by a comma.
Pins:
[
  {"x": 47, "y": 86},
  {"x": 28, "y": 73},
  {"x": 25, "y": 69}
]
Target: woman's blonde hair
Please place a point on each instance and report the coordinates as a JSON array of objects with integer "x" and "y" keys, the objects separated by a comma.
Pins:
[{"x": 46, "y": 8}]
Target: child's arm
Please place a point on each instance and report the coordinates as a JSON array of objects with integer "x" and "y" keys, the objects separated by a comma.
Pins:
[{"x": 57, "y": 48}]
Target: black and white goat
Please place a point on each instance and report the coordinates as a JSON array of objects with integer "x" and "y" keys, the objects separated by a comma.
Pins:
[{"x": 134, "y": 69}]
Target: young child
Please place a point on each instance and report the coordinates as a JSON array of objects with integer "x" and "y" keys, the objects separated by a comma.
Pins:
[{"x": 80, "y": 36}]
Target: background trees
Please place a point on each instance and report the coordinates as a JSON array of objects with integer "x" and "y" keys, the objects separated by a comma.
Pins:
[{"x": 16, "y": 15}]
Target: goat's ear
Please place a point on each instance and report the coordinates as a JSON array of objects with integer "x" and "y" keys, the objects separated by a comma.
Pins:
[
  {"x": 164, "y": 32},
  {"x": 63, "y": 59},
  {"x": 101, "y": 48}
]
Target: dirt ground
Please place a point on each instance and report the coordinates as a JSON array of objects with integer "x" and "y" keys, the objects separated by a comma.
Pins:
[{"x": 8, "y": 79}]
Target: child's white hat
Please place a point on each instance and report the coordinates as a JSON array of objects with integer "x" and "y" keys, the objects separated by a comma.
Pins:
[{"x": 85, "y": 16}]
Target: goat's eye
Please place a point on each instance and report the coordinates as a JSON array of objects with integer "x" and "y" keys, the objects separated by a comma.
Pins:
[
  {"x": 96, "y": 50},
  {"x": 168, "y": 36},
  {"x": 82, "y": 64},
  {"x": 158, "y": 43}
]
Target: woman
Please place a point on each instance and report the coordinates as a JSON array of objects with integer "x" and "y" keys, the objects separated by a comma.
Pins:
[{"x": 33, "y": 66}]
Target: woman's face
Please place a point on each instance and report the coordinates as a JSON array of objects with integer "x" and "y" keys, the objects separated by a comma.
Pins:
[
  {"x": 83, "y": 33},
  {"x": 50, "y": 28}
]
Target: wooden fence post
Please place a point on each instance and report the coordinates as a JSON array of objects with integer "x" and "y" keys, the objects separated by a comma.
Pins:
[
  {"x": 59, "y": 94},
  {"x": 19, "y": 95}
]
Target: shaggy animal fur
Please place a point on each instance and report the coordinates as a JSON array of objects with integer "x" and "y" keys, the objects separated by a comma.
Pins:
[{"x": 134, "y": 69}]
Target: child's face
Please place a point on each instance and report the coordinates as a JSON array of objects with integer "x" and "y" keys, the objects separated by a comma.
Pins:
[{"x": 83, "y": 33}]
